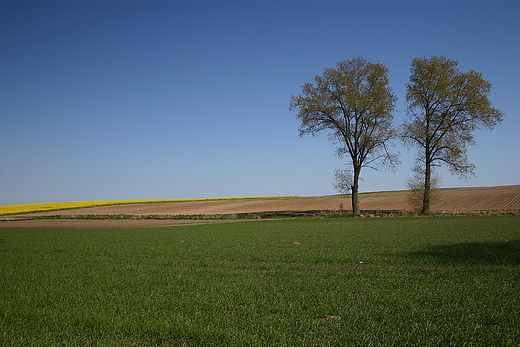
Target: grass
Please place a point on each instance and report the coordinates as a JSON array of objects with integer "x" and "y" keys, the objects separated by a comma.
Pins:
[
  {"x": 53, "y": 206},
  {"x": 404, "y": 281}
]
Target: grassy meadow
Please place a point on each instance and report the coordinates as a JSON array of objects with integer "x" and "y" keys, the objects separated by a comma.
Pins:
[{"x": 405, "y": 281}]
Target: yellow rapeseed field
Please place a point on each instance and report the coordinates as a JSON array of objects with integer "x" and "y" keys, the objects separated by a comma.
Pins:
[{"x": 51, "y": 206}]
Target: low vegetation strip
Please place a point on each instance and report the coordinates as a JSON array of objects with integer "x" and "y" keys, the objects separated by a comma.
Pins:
[
  {"x": 294, "y": 282},
  {"x": 229, "y": 216},
  {"x": 53, "y": 206},
  {"x": 260, "y": 215}
]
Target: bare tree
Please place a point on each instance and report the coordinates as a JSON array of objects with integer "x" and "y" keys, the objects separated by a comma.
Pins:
[
  {"x": 445, "y": 107},
  {"x": 415, "y": 185},
  {"x": 353, "y": 104},
  {"x": 343, "y": 181}
]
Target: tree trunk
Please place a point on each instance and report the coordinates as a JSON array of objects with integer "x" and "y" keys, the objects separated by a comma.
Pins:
[
  {"x": 427, "y": 189},
  {"x": 355, "y": 187}
]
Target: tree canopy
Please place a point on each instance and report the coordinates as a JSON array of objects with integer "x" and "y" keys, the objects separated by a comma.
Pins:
[
  {"x": 353, "y": 104},
  {"x": 444, "y": 107}
]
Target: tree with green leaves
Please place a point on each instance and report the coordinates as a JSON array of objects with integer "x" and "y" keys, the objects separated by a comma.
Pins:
[
  {"x": 444, "y": 108},
  {"x": 353, "y": 104}
]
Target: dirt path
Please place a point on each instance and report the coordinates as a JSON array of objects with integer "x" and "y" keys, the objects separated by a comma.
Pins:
[{"x": 451, "y": 200}]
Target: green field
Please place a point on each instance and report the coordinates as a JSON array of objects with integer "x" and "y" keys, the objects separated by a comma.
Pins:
[{"x": 406, "y": 281}]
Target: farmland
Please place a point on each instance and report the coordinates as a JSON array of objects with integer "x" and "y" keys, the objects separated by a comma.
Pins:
[
  {"x": 308, "y": 282},
  {"x": 69, "y": 278},
  {"x": 483, "y": 200},
  {"x": 38, "y": 207}
]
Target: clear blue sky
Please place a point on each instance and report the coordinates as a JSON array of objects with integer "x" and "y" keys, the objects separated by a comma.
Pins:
[{"x": 106, "y": 100}]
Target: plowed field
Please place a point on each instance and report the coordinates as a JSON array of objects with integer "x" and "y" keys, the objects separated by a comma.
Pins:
[{"x": 465, "y": 200}]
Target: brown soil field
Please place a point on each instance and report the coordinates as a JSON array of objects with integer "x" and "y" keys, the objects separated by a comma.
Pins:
[{"x": 456, "y": 200}]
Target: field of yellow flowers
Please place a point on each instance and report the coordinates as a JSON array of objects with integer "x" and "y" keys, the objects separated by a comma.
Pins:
[{"x": 53, "y": 206}]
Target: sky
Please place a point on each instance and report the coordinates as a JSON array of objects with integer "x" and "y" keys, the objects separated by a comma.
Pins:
[{"x": 118, "y": 100}]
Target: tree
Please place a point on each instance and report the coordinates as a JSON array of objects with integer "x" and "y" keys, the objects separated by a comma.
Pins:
[
  {"x": 353, "y": 104},
  {"x": 444, "y": 108},
  {"x": 342, "y": 181},
  {"x": 415, "y": 185}
]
